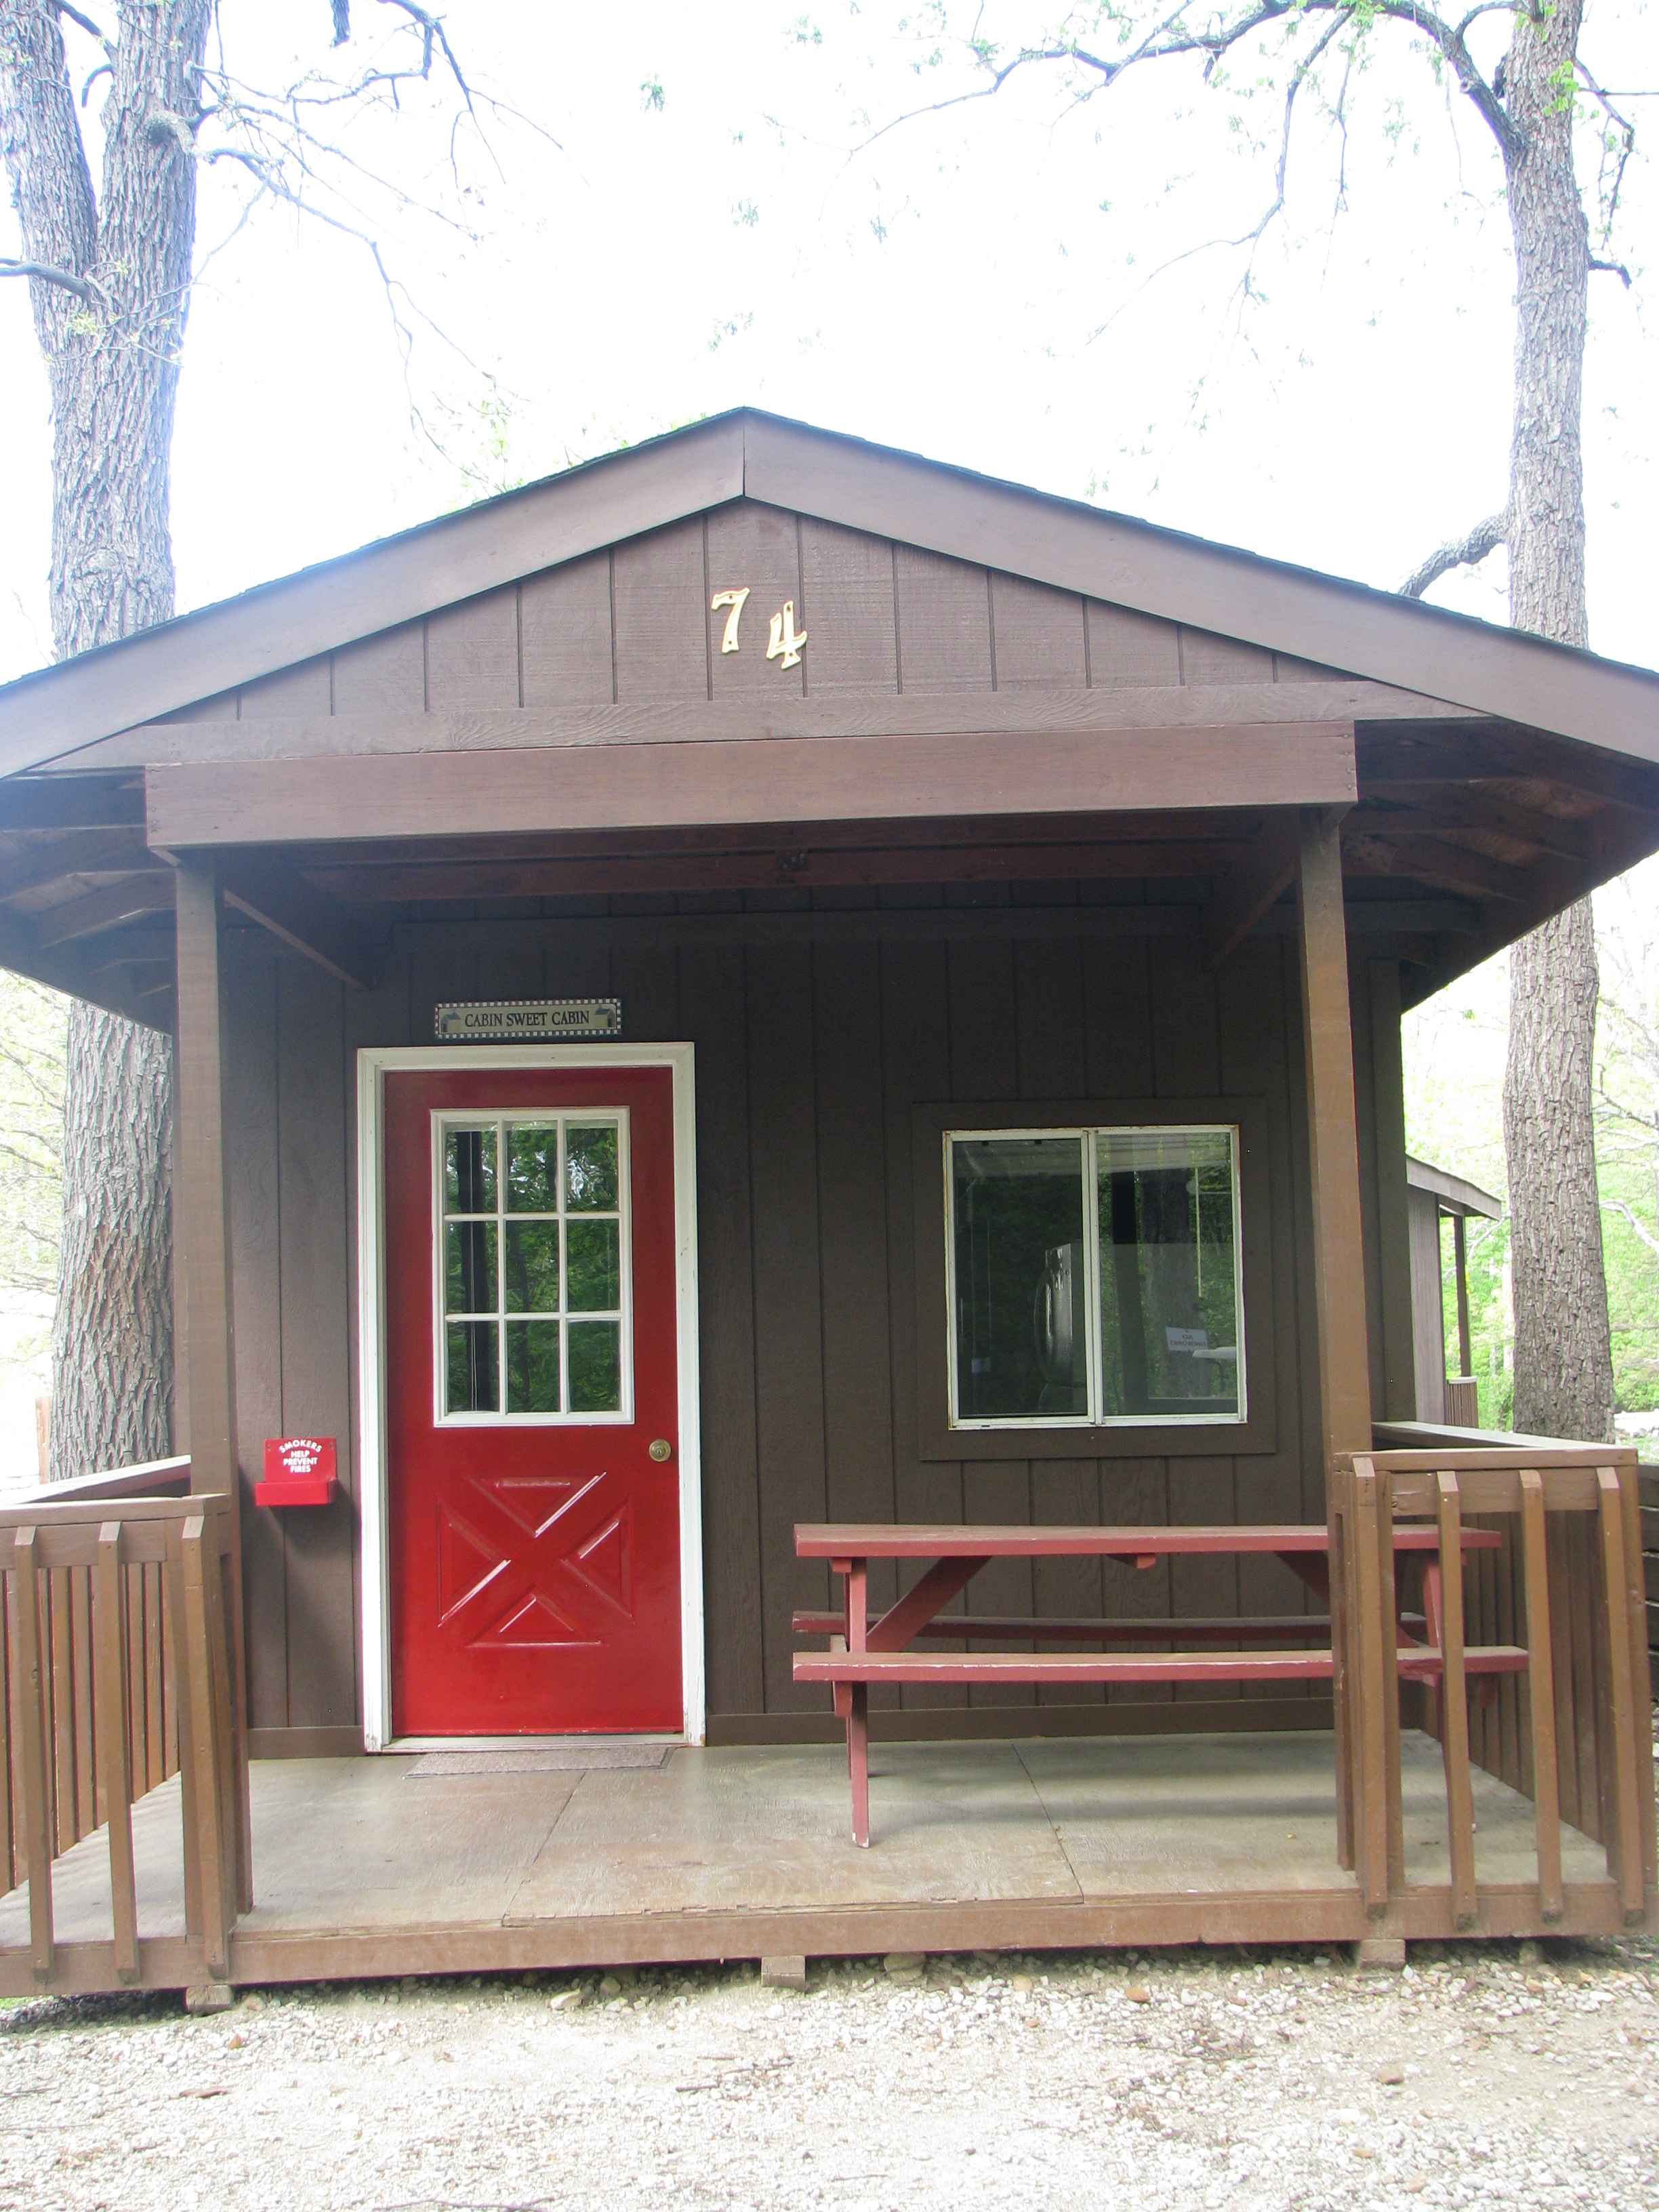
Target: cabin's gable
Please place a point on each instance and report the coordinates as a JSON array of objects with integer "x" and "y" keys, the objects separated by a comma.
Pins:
[{"x": 653, "y": 621}]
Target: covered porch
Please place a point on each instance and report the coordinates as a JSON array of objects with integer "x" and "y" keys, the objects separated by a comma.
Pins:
[{"x": 400, "y": 1865}]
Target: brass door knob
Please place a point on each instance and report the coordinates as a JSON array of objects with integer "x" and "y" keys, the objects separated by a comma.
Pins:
[{"x": 661, "y": 1449}]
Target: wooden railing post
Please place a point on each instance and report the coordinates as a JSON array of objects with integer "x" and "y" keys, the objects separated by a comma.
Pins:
[
  {"x": 114, "y": 1746},
  {"x": 28, "y": 1680},
  {"x": 1541, "y": 1693},
  {"x": 1455, "y": 1704},
  {"x": 1635, "y": 1616},
  {"x": 206, "y": 1712},
  {"x": 1367, "y": 1703},
  {"x": 1624, "y": 1833}
]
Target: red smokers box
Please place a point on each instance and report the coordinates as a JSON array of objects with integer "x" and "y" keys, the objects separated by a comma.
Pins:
[{"x": 299, "y": 1471}]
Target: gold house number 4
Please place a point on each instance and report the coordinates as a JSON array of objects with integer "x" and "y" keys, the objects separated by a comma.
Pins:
[{"x": 784, "y": 642}]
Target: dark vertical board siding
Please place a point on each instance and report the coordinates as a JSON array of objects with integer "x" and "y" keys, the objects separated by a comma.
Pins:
[
  {"x": 753, "y": 546},
  {"x": 1128, "y": 650},
  {"x": 256, "y": 1299},
  {"x": 661, "y": 615},
  {"x": 304, "y": 690},
  {"x": 385, "y": 674},
  {"x": 858, "y": 1404},
  {"x": 564, "y": 635},
  {"x": 1268, "y": 1486},
  {"x": 788, "y": 1326},
  {"x": 915, "y": 1062},
  {"x": 1038, "y": 633},
  {"x": 472, "y": 655},
  {"x": 846, "y": 594},
  {"x": 985, "y": 1065},
  {"x": 715, "y": 1014},
  {"x": 1053, "y": 1064},
  {"x": 1207, "y": 659},
  {"x": 322, "y": 1593},
  {"x": 648, "y": 983},
  {"x": 944, "y": 622}
]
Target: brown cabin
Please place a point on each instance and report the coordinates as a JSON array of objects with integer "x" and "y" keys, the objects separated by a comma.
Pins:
[{"x": 765, "y": 979}]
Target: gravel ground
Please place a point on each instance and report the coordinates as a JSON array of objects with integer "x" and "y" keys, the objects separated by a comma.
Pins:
[{"x": 1483, "y": 2075}]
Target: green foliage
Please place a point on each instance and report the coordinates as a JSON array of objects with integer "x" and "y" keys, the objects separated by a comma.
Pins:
[{"x": 33, "y": 1028}]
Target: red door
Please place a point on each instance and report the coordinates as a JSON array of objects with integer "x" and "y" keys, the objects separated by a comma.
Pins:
[{"x": 533, "y": 1401}]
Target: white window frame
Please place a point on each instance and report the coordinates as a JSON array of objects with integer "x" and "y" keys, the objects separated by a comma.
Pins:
[
  {"x": 1090, "y": 1134},
  {"x": 583, "y": 1117},
  {"x": 373, "y": 1066}
]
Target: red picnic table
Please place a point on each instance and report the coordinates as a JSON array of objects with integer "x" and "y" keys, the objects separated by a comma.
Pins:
[{"x": 864, "y": 1651}]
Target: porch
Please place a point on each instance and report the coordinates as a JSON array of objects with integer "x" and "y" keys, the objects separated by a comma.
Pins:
[{"x": 379, "y": 1866}]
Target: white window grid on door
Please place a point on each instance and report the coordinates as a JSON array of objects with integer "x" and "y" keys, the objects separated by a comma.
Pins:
[
  {"x": 1093, "y": 1349},
  {"x": 500, "y": 1122}
]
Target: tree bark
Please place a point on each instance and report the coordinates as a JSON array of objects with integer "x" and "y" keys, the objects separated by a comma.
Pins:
[
  {"x": 110, "y": 334},
  {"x": 112, "y": 1339},
  {"x": 1563, "y": 1342}
]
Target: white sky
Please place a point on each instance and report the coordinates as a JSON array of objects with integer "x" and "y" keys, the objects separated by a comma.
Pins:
[{"x": 1010, "y": 318}]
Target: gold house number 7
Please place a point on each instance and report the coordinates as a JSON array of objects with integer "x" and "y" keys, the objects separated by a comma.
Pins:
[{"x": 785, "y": 641}]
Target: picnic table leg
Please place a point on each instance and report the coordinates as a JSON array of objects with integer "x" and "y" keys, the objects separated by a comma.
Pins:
[{"x": 858, "y": 1760}]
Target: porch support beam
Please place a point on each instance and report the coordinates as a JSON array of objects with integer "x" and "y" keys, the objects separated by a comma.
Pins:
[
  {"x": 1254, "y": 883},
  {"x": 201, "y": 1199},
  {"x": 1345, "y": 1390},
  {"x": 689, "y": 782},
  {"x": 312, "y": 922}
]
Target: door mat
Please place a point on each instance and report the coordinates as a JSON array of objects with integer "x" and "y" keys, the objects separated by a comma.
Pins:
[{"x": 541, "y": 1759}]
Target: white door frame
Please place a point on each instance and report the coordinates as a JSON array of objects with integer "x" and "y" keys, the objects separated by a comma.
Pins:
[{"x": 374, "y": 1064}]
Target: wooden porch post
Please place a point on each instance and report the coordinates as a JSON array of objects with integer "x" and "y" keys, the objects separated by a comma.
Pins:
[
  {"x": 1344, "y": 1395},
  {"x": 201, "y": 1196}
]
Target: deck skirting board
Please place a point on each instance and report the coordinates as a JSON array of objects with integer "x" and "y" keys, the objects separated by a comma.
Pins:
[
  {"x": 1333, "y": 1916},
  {"x": 1027, "y": 1723}
]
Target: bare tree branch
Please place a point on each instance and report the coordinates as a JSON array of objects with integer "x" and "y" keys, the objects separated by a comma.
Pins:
[
  {"x": 84, "y": 287},
  {"x": 1457, "y": 553}
]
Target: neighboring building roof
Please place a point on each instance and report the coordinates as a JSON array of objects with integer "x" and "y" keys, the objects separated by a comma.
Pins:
[
  {"x": 1471, "y": 665},
  {"x": 1454, "y": 1195}
]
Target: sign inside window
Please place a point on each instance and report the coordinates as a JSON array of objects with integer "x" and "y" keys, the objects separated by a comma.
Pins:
[
  {"x": 526, "y": 1021},
  {"x": 1095, "y": 1276}
]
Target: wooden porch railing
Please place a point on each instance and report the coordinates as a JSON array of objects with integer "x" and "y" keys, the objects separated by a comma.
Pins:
[
  {"x": 122, "y": 1661},
  {"x": 1572, "y": 1730}
]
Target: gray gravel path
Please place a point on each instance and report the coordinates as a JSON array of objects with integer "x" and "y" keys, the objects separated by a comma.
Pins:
[{"x": 1491, "y": 2074}]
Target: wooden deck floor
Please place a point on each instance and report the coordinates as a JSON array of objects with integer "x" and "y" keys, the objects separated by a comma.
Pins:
[{"x": 367, "y": 1866}]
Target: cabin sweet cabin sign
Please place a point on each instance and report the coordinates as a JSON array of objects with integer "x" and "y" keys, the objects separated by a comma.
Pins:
[{"x": 526, "y": 1021}]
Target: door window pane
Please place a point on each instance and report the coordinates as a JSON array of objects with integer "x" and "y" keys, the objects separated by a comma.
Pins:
[
  {"x": 590, "y": 1173},
  {"x": 532, "y": 1367},
  {"x": 1020, "y": 1276},
  {"x": 470, "y": 1368},
  {"x": 532, "y": 1267},
  {"x": 1168, "y": 1294},
  {"x": 595, "y": 1366},
  {"x": 532, "y": 1168},
  {"x": 595, "y": 1255},
  {"x": 469, "y": 1268},
  {"x": 470, "y": 1171}
]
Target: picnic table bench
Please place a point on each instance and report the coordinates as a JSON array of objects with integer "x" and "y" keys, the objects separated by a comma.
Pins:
[{"x": 865, "y": 1651}]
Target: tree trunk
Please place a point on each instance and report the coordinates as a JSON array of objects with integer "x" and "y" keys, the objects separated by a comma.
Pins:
[
  {"x": 110, "y": 339},
  {"x": 1563, "y": 1344},
  {"x": 112, "y": 1339}
]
